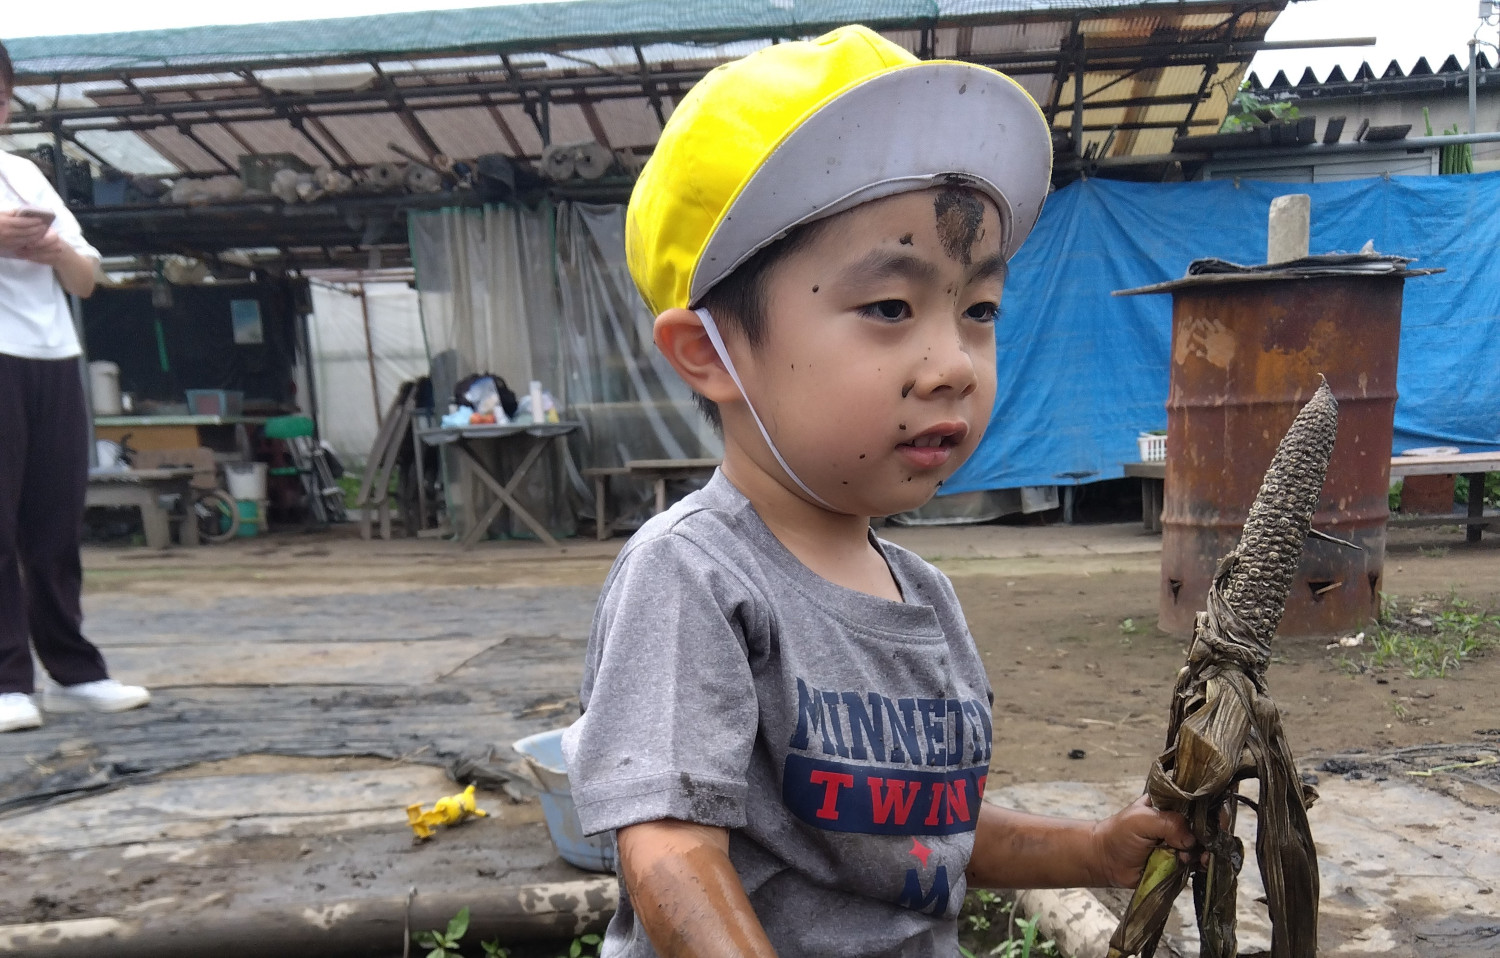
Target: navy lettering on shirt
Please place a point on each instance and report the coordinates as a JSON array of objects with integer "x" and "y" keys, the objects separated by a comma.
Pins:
[{"x": 864, "y": 763}]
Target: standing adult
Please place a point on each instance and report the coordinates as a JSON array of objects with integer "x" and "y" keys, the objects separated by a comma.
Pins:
[{"x": 44, "y": 458}]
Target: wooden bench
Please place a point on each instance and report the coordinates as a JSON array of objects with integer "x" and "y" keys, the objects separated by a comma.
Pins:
[
  {"x": 1471, "y": 465},
  {"x": 143, "y": 489},
  {"x": 659, "y": 471}
]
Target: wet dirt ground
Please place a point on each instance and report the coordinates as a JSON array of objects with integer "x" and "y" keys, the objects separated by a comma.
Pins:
[
  {"x": 1048, "y": 608},
  {"x": 1067, "y": 629}
]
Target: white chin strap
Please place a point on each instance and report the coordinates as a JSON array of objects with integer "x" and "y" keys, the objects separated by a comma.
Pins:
[{"x": 713, "y": 335}]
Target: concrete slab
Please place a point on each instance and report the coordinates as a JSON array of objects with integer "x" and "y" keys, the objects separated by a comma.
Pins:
[
  {"x": 431, "y": 612},
  {"x": 938, "y": 543},
  {"x": 1405, "y": 870},
  {"x": 231, "y": 806},
  {"x": 294, "y": 663},
  {"x": 226, "y": 848}
]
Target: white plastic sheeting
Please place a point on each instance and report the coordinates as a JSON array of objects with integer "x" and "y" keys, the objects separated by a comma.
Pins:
[
  {"x": 489, "y": 300},
  {"x": 356, "y": 376},
  {"x": 633, "y": 405},
  {"x": 546, "y": 295}
]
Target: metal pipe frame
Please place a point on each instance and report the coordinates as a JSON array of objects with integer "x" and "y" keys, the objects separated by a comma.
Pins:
[
  {"x": 1100, "y": 59},
  {"x": 1312, "y": 151}
]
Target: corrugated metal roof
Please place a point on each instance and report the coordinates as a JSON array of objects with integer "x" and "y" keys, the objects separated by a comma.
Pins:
[{"x": 1421, "y": 78}]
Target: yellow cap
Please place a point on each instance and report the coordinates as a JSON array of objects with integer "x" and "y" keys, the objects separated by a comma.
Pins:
[{"x": 798, "y": 131}]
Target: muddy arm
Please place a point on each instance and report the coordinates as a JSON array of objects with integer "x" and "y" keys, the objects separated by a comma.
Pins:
[
  {"x": 686, "y": 892},
  {"x": 1017, "y": 850}
]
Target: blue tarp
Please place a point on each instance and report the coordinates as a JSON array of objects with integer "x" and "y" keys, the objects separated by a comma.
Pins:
[{"x": 1082, "y": 372}]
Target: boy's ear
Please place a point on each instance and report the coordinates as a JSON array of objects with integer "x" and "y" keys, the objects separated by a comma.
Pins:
[{"x": 680, "y": 335}]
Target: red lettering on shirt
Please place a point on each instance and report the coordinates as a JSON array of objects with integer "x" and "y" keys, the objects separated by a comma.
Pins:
[{"x": 831, "y": 782}]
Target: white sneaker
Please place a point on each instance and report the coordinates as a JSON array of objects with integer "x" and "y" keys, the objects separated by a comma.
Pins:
[
  {"x": 17, "y": 711},
  {"x": 105, "y": 695}
]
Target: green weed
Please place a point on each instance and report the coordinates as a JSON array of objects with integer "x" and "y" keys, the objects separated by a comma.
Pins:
[
  {"x": 988, "y": 926},
  {"x": 1431, "y": 637},
  {"x": 445, "y": 944}
]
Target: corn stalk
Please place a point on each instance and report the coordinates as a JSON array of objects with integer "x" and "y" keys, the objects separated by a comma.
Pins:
[{"x": 1225, "y": 728}]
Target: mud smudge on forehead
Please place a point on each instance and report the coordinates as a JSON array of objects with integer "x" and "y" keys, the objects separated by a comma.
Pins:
[{"x": 959, "y": 215}]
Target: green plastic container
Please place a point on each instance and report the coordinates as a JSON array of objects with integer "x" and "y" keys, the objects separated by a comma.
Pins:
[{"x": 249, "y": 518}]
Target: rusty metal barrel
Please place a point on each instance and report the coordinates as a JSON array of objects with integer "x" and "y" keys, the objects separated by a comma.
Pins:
[{"x": 1247, "y": 351}]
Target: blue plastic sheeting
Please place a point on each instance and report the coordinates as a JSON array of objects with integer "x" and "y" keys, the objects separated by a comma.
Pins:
[{"x": 1081, "y": 372}]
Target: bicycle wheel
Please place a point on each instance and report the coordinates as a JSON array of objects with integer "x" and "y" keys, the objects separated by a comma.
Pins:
[{"x": 217, "y": 514}]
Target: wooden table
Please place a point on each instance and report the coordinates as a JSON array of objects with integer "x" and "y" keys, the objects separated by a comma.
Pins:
[
  {"x": 227, "y": 434},
  {"x": 659, "y": 471},
  {"x": 143, "y": 489},
  {"x": 1471, "y": 465},
  {"x": 536, "y": 437},
  {"x": 1153, "y": 477}
]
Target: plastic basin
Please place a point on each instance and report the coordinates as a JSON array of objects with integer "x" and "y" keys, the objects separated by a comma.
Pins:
[{"x": 543, "y": 753}]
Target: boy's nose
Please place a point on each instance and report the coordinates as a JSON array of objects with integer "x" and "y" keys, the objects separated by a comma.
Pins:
[{"x": 947, "y": 364}]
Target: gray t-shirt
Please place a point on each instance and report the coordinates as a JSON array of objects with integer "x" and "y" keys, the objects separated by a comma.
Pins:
[{"x": 842, "y": 738}]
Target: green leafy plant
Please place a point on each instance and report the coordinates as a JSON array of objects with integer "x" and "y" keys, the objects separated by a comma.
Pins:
[
  {"x": 492, "y": 949},
  {"x": 990, "y": 928},
  {"x": 1128, "y": 627},
  {"x": 1491, "y": 489},
  {"x": 1249, "y": 110},
  {"x": 444, "y": 944},
  {"x": 576, "y": 949}
]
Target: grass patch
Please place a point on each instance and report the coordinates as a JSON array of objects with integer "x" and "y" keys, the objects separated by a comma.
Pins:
[
  {"x": 1429, "y": 637},
  {"x": 989, "y": 926}
]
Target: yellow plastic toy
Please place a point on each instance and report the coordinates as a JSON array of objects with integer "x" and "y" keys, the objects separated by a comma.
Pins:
[{"x": 445, "y": 811}]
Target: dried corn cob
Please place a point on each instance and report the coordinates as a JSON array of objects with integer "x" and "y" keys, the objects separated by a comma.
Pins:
[
  {"x": 1265, "y": 560},
  {"x": 1224, "y": 727}
]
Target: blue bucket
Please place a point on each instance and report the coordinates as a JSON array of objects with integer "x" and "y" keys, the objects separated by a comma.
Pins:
[{"x": 543, "y": 752}]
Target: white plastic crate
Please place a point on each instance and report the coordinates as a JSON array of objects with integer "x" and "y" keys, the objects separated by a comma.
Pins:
[{"x": 1153, "y": 447}]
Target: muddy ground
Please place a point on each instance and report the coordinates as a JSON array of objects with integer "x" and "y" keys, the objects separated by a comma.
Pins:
[
  {"x": 1048, "y": 609},
  {"x": 1068, "y": 676},
  {"x": 1069, "y": 671}
]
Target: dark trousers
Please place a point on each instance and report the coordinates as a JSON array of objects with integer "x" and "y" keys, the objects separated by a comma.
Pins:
[{"x": 44, "y": 474}]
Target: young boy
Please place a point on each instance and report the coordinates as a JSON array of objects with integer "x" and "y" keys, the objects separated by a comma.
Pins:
[{"x": 786, "y": 722}]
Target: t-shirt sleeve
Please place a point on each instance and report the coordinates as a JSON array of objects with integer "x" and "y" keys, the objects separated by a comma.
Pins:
[
  {"x": 39, "y": 193},
  {"x": 670, "y": 713}
]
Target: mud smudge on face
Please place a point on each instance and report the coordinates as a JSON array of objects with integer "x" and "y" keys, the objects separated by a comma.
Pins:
[
  {"x": 815, "y": 289},
  {"x": 906, "y": 390},
  {"x": 960, "y": 216},
  {"x": 906, "y": 240}
]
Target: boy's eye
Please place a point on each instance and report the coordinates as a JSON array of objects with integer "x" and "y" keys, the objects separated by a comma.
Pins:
[
  {"x": 983, "y": 312},
  {"x": 887, "y": 309}
]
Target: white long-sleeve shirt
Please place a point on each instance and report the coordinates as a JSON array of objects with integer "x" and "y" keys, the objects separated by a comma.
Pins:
[{"x": 35, "y": 322}]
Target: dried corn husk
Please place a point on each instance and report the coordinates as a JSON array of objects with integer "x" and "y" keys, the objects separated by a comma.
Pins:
[{"x": 1225, "y": 728}]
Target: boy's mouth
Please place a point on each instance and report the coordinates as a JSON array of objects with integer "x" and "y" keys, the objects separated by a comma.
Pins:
[{"x": 933, "y": 447}]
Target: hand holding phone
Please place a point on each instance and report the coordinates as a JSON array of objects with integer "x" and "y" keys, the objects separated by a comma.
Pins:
[
  {"x": 21, "y": 230},
  {"x": 32, "y": 212}
]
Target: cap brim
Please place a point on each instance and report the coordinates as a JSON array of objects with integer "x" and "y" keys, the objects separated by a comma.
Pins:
[{"x": 913, "y": 127}]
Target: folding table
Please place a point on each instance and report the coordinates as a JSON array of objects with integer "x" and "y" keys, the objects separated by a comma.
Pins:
[{"x": 535, "y": 438}]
